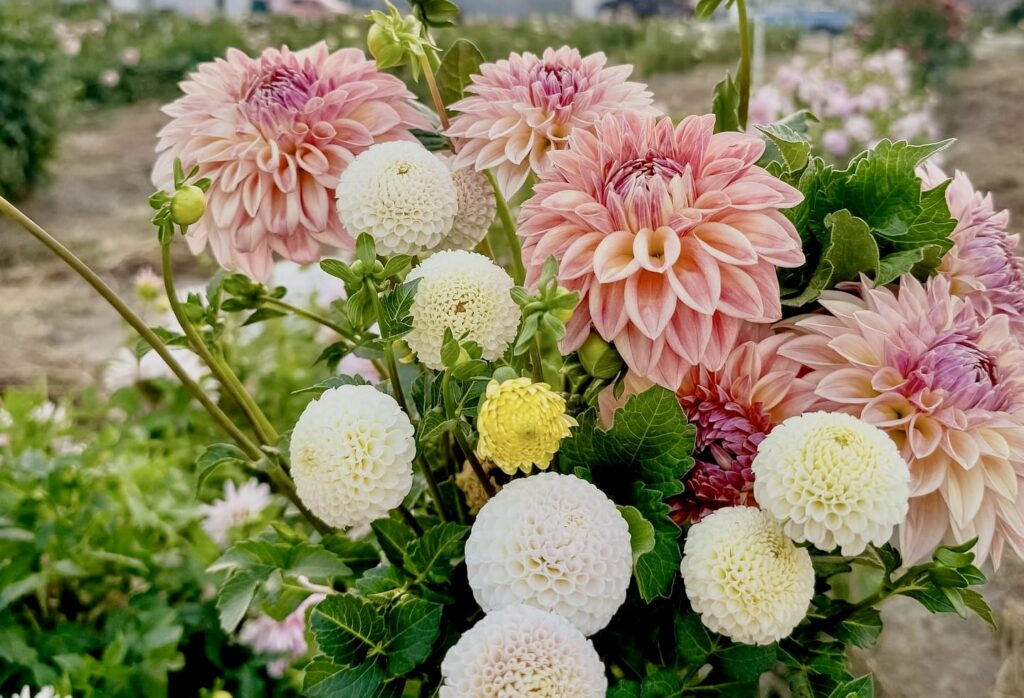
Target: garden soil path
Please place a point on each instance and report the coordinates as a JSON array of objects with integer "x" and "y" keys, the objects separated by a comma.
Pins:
[{"x": 54, "y": 327}]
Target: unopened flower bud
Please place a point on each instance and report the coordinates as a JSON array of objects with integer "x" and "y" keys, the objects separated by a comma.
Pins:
[
  {"x": 188, "y": 205},
  {"x": 384, "y": 46},
  {"x": 599, "y": 358},
  {"x": 220, "y": 694}
]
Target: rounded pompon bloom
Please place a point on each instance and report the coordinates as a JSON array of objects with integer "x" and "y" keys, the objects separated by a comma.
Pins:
[
  {"x": 351, "y": 455},
  {"x": 554, "y": 542},
  {"x": 745, "y": 578},
  {"x": 733, "y": 409},
  {"x": 476, "y": 207},
  {"x": 947, "y": 385},
  {"x": 521, "y": 425},
  {"x": 671, "y": 235},
  {"x": 401, "y": 195},
  {"x": 983, "y": 264},
  {"x": 273, "y": 134},
  {"x": 522, "y": 108},
  {"x": 467, "y": 293},
  {"x": 832, "y": 480},
  {"x": 523, "y": 651}
]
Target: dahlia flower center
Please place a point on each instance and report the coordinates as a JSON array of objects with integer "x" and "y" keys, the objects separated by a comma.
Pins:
[
  {"x": 280, "y": 86},
  {"x": 557, "y": 85},
  {"x": 635, "y": 176},
  {"x": 955, "y": 364}
]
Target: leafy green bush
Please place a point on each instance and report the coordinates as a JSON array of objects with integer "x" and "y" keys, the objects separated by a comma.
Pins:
[{"x": 32, "y": 98}]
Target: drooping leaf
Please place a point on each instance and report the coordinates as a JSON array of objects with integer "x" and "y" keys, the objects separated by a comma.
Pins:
[
  {"x": 861, "y": 629},
  {"x": 460, "y": 61},
  {"x": 746, "y": 662},
  {"x": 694, "y": 642},
  {"x": 641, "y": 532},
  {"x": 234, "y": 597}
]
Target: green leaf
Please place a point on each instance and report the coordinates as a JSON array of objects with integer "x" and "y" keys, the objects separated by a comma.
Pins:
[
  {"x": 383, "y": 581},
  {"x": 394, "y": 538},
  {"x": 412, "y": 628},
  {"x": 862, "y": 687},
  {"x": 976, "y": 602},
  {"x": 746, "y": 662},
  {"x": 316, "y": 562},
  {"x": 432, "y": 557},
  {"x": 395, "y": 307},
  {"x": 214, "y": 457},
  {"x": 234, "y": 597},
  {"x": 663, "y": 684},
  {"x": 850, "y": 251},
  {"x": 706, "y": 8},
  {"x": 332, "y": 382},
  {"x": 348, "y": 628},
  {"x": 366, "y": 249},
  {"x": 325, "y": 679},
  {"x": 785, "y": 146},
  {"x": 726, "y": 104},
  {"x": 262, "y": 314},
  {"x": 460, "y": 61},
  {"x": 861, "y": 629},
  {"x": 693, "y": 641},
  {"x": 641, "y": 532},
  {"x": 340, "y": 270},
  {"x": 624, "y": 689}
]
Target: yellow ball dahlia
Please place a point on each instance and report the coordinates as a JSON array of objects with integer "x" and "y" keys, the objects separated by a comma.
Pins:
[{"x": 521, "y": 424}]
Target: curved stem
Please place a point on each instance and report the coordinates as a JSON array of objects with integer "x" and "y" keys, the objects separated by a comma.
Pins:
[
  {"x": 508, "y": 225},
  {"x": 221, "y": 371},
  {"x": 309, "y": 315},
  {"x": 743, "y": 75}
]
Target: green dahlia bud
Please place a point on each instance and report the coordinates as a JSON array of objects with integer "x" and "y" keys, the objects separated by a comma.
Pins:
[
  {"x": 385, "y": 47},
  {"x": 599, "y": 358},
  {"x": 188, "y": 205}
]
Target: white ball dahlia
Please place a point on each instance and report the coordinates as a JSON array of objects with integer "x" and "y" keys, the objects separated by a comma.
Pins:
[
  {"x": 523, "y": 651},
  {"x": 554, "y": 542},
  {"x": 351, "y": 455},
  {"x": 476, "y": 209},
  {"x": 401, "y": 195},
  {"x": 469, "y": 294},
  {"x": 833, "y": 480},
  {"x": 745, "y": 578}
]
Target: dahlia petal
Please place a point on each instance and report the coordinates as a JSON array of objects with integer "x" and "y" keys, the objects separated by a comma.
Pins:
[
  {"x": 924, "y": 434},
  {"x": 649, "y": 302},
  {"x": 740, "y": 296},
  {"x": 924, "y": 527},
  {"x": 964, "y": 493},
  {"x": 857, "y": 350},
  {"x": 697, "y": 281},
  {"x": 961, "y": 447},
  {"x": 927, "y": 475},
  {"x": 613, "y": 258},
  {"x": 608, "y": 309},
  {"x": 848, "y": 386},
  {"x": 725, "y": 243},
  {"x": 887, "y": 410}
]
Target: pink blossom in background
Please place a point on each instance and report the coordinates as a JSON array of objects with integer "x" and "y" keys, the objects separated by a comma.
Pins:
[
  {"x": 110, "y": 78},
  {"x": 983, "y": 264},
  {"x": 522, "y": 108},
  {"x": 733, "y": 409},
  {"x": 835, "y": 142},
  {"x": 273, "y": 134},
  {"x": 671, "y": 235},
  {"x": 239, "y": 505},
  {"x": 859, "y": 128},
  {"x": 767, "y": 105},
  {"x": 948, "y": 386},
  {"x": 284, "y": 640},
  {"x": 352, "y": 365}
]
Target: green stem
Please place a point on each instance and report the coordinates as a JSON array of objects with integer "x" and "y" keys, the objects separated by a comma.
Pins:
[
  {"x": 508, "y": 225},
  {"x": 743, "y": 75},
  {"x": 475, "y": 464},
  {"x": 435, "y": 94},
  {"x": 410, "y": 519},
  {"x": 219, "y": 368},
  {"x": 310, "y": 315}
]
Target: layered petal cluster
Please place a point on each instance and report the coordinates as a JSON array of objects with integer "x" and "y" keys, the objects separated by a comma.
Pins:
[
  {"x": 523, "y": 651},
  {"x": 239, "y": 505},
  {"x": 947, "y": 385},
  {"x": 476, "y": 207},
  {"x": 733, "y": 409},
  {"x": 671, "y": 235},
  {"x": 982, "y": 264},
  {"x": 273, "y": 134},
  {"x": 284, "y": 640},
  {"x": 745, "y": 578},
  {"x": 554, "y": 542},
  {"x": 522, "y": 108}
]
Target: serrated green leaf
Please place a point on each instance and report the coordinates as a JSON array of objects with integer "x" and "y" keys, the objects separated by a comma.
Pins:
[
  {"x": 412, "y": 628},
  {"x": 861, "y": 629},
  {"x": 641, "y": 532},
  {"x": 332, "y": 382},
  {"x": 976, "y": 602},
  {"x": 693, "y": 641},
  {"x": 862, "y": 687},
  {"x": 316, "y": 562},
  {"x": 261, "y": 315},
  {"x": 746, "y": 662},
  {"x": 662, "y": 684},
  {"x": 431, "y": 557},
  {"x": 460, "y": 61},
  {"x": 850, "y": 251},
  {"x": 395, "y": 307},
  {"x": 348, "y": 628},
  {"x": 786, "y": 146},
  {"x": 234, "y": 596},
  {"x": 624, "y": 689},
  {"x": 325, "y": 679},
  {"x": 213, "y": 458},
  {"x": 394, "y": 539},
  {"x": 384, "y": 581}
]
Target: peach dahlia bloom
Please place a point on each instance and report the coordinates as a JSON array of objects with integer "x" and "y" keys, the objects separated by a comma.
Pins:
[
  {"x": 274, "y": 134},
  {"x": 671, "y": 235},
  {"x": 733, "y": 410},
  {"x": 983, "y": 264},
  {"x": 948, "y": 386},
  {"x": 522, "y": 108}
]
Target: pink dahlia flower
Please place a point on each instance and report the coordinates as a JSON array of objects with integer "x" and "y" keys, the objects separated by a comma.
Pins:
[
  {"x": 947, "y": 384},
  {"x": 522, "y": 108},
  {"x": 274, "y": 133},
  {"x": 283, "y": 640},
  {"x": 733, "y": 409},
  {"x": 670, "y": 234},
  {"x": 982, "y": 265}
]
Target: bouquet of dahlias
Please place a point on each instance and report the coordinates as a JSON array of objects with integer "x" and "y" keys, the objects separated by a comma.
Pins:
[{"x": 680, "y": 424}]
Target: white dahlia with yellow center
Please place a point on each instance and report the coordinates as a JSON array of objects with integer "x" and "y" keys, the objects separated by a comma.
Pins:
[
  {"x": 833, "y": 480},
  {"x": 745, "y": 577},
  {"x": 401, "y": 195},
  {"x": 351, "y": 455},
  {"x": 523, "y": 651}
]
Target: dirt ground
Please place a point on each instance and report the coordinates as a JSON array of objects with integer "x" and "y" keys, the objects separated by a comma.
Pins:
[{"x": 55, "y": 328}]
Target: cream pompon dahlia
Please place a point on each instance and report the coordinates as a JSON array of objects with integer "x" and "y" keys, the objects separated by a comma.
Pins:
[
  {"x": 745, "y": 578},
  {"x": 521, "y": 424},
  {"x": 523, "y": 651},
  {"x": 554, "y": 542},
  {"x": 467, "y": 293},
  {"x": 351, "y": 455},
  {"x": 476, "y": 209},
  {"x": 273, "y": 134},
  {"x": 832, "y": 480}
]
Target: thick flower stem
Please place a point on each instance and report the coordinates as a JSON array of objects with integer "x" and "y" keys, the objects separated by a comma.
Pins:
[
  {"x": 508, "y": 225},
  {"x": 221, "y": 371},
  {"x": 410, "y": 519},
  {"x": 435, "y": 94},
  {"x": 474, "y": 463},
  {"x": 743, "y": 75}
]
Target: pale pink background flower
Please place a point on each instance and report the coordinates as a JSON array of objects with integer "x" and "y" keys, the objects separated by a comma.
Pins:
[
  {"x": 522, "y": 108},
  {"x": 948, "y": 386},
  {"x": 285, "y": 640},
  {"x": 239, "y": 505},
  {"x": 983, "y": 264},
  {"x": 670, "y": 234},
  {"x": 835, "y": 142},
  {"x": 274, "y": 134}
]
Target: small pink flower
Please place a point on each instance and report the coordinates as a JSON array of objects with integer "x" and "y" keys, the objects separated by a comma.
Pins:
[
  {"x": 522, "y": 108},
  {"x": 110, "y": 78},
  {"x": 835, "y": 142},
  {"x": 671, "y": 235},
  {"x": 274, "y": 134},
  {"x": 284, "y": 640}
]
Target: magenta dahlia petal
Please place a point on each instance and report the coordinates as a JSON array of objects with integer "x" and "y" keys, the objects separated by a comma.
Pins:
[
  {"x": 946, "y": 382},
  {"x": 671, "y": 235},
  {"x": 523, "y": 109},
  {"x": 273, "y": 134}
]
